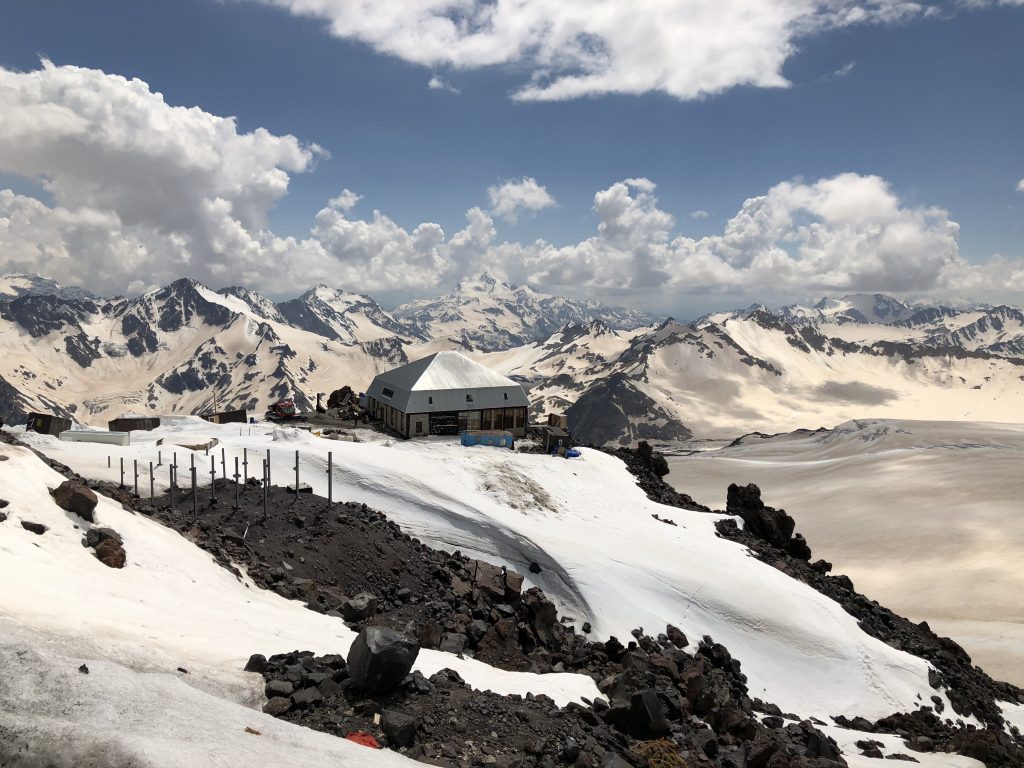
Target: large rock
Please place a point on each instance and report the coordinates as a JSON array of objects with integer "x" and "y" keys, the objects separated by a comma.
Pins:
[
  {"x": 111, "y": 554},
  {"x": 399, "y": 728},
  {"x": 772, "y": 525},
  {"x": 360, "y": 607},
  {"x": 76, "y": 498},
  {"x": 96, "y": 536},
  {"x": 380, "y": 658},
  {"x": 37, "y": 528}
]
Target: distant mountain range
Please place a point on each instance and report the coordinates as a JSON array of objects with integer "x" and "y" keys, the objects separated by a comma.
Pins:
[{"x": 621, "y": 375}]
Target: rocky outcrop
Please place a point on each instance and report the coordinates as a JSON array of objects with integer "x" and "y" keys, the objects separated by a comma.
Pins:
[
  {"x": 380, "y": 658},
  {"x": 767, "y": 523},
  {"x": 76, "y": 498}
]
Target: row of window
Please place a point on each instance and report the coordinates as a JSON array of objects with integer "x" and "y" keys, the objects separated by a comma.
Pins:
[{"x": 390, "y": 393}]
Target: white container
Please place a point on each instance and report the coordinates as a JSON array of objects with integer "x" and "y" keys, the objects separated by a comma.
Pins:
[{"x": 87, "y": 436}]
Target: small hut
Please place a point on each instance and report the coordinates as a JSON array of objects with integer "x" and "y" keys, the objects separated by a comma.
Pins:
[
  {"x": 47, "y": 424},
  {"x": 130, "y": 422}
]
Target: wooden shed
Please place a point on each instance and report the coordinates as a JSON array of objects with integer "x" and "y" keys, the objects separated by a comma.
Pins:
[
  {"x": 129, "y": 423},
  {"x": 239, "y": 416},
  {"x": 47, "y": 424}
]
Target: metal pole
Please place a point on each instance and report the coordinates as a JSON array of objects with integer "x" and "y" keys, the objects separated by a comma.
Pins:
[
  {"x": 108, "y": 461},
  {"x": 152, "y": 488},
  {"x": 213, "y": 477},
  {"x": 159, "y": 458},
  {"x": 223, "y": 466},
  {"x": 266, "y": 482},
  {"x": 135, "y": 468},
  {"x": 296, "y": 474},
  {"x": 195, "y": 496},
  {"x": 170, "y": 476},
  {"x": 330, "y": 477},
  {"x": 122, "y": 472},
  {"x": 236, "y": 483},
  {"x": 268, "y": 467},
  {"x": 245, "y": 463}
]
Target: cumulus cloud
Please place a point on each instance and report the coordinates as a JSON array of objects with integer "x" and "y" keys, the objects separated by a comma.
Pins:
[
  {"x": 144, "y": 192},
  {"x": 435, "y": 83},
  {"x": 1020, "y": 184},
  {"x": 686, "y": 48},
  {"x": 699, "y": 214},
  {"x": 512, "y": 196}
]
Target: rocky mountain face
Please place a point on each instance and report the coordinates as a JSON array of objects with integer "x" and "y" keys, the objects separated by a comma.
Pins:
[
  {"x": 184, "y": 348},
  {"x": 486, "y": 314}
]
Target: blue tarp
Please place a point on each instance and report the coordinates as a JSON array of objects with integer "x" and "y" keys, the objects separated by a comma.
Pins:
[{"x": 496, "y": 439}]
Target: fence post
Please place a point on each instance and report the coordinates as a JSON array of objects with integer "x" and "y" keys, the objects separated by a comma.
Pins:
[
  {"x": 159, "y": 458},
  {"x": 135, "y": 469},
  {"x": 296, "y": 474},
  {"x": 213, "y": 478},
  {"x": 268, "y": 467},
  {"x": 223, "y": 466},
  {"x": 236, "y": 483},
  {"x": 195, "y": 496},
  {"x": 266, "y": 482},
  {"x": 108, "y": 461},
  {"x": 330, "y": 477},
  {"x": 245, "y": 463},
  {"x": 152, "y": 488},
  {"x": 121, "y": 485},
  {"x": 170, "y": 476}
]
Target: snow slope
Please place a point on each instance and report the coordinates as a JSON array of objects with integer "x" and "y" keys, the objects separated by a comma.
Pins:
[
  {"x": 923, "y": 516},
  {"x": 171, "y": 606},
  {"x": 604, "y": 557}
]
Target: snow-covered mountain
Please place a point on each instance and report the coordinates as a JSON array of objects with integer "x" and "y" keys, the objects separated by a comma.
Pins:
[
  {"x": 184, "y": 348},
  {"x": 487, "y": 314}
]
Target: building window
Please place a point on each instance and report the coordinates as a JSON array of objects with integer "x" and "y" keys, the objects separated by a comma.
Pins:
[
  {"x": 388, "y": 393},
  {"x": 430, "y": 400},
  {"x": 505, "y": 394},
  {"x": 469, "y": 398}
]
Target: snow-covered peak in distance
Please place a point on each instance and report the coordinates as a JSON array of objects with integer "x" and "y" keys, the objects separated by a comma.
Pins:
[
  {"x": 351, "y": 318},
  {"x": 16, "y": 285},
  {"x": 488, "y": 314}
]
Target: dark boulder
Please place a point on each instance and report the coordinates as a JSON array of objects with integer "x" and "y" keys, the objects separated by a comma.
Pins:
[
  {"x": 96, "y": 536},
  {"x": 399, "y": 728},
  {"x": 277, "y": 706},
  {"x": 360, "y": 607},
  {"x": 278, "y": 688},
  {"x": 76, "y": 498},
  {"x": 257, "y": 663},
  {"x": 380, "y": 658},
  {"x": 771, "y": 525},
  {"x": 37, "y": 528}
]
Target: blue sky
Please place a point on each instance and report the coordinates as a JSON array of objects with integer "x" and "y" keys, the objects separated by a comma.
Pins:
[{"x": 934, "y": 106}]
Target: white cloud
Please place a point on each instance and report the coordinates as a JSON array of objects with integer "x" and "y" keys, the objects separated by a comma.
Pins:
[
  {"x": 435, "y": 83},
  {"x": 512, "y": 196},
  {"x": 144, "y": 193},
  {"x": 686, "y": 48},
  {"x": 1020, "y": 184},
  {"x": 699, "y": 214},
  {"x": 843, "y": 71}
]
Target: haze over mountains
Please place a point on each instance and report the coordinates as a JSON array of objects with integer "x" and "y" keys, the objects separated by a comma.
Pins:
[{"x": 623, "y": 375}]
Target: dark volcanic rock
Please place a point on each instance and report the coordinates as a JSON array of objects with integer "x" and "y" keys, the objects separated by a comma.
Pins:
[
  {"x": 399, "y": 728},
  {"x": 37, "y": 528},
  {"x": 76, "y": 498},
  {"x": 772, "y": 525},
  {"x": 380, "y": 658}
]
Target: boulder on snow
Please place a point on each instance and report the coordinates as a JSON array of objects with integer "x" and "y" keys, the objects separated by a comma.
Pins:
[
  {"x": 380, "y": 658},
  {"x": 111, "y": 554},
  {"x": 95, "y": 536},
  {"x": 37, "y": 528},
  {"x": 257, "y": 663},
  {"x": 75, "y": 498}
]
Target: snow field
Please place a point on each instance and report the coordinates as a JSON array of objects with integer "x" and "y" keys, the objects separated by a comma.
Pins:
[{"x": 605, "y": 558}]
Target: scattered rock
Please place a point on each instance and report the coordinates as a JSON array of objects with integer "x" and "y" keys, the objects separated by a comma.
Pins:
[
  {"x": 76, "y": 498},
  {"x": 278, "y": 705},
  {"x": 84, "y": 669},
  {"x": 37, "y": 528},
  {"x": 360, "y": 607}
]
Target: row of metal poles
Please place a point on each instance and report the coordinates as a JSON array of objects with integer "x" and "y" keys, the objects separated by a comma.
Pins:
[{"x": 172, "y": 469}]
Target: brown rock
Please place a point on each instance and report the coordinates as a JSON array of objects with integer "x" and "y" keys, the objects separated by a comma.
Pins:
[
  {"x": 76, "y": 498},
  {"x": 111, "y": 554}
]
